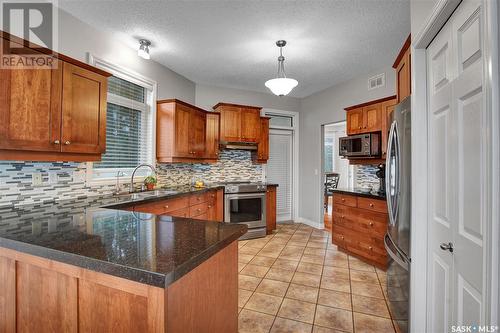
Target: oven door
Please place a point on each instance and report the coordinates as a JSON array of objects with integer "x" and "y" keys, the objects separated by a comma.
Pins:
[{"x": 248, "y": 208}]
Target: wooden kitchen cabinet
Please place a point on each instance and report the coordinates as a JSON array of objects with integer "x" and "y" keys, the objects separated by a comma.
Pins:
[
  {"x": 212, "y": 136},
  {"x": 270, "y": 209},
  {"x": 359, "y": 226},
  {"x": 262, "y": 153},
  {"x": 52, "y": 114},
  {"x": 239, "y": 123},
  {"x": 184, "y": 133},
  {"x": 354, "y": 120},
  {"x": 402, "y": 65}
]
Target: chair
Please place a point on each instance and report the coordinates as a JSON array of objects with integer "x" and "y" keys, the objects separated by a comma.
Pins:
[{"x": 331, "y": 182}]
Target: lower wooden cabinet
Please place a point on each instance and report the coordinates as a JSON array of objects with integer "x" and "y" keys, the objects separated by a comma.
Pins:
[
  {"x": 270, "y": 209},
  {"x": 359, "y": 225},
  {"x": 201, "y": 206}
]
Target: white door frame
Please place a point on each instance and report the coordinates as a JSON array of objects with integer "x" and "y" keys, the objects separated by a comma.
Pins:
[
  {"x": 295, "y": 152},
  {"x": 419, "y": 240}
]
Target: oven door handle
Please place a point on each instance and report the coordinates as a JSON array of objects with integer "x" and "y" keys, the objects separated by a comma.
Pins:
[{"x": 245, "y": 195}]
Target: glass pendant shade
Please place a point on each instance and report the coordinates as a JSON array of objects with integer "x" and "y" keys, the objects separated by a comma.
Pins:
[
  {"x": 281, "y": 86},
  {"x": 143, "y": 51}
]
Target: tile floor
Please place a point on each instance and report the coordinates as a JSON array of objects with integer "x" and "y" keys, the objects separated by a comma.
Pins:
[{"x": 297, "y": 281}]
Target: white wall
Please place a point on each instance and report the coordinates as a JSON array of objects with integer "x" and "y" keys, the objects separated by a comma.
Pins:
[
  {"x": 208, "y": 96},
  {"x": 419, "y": 12},
  {"x": 76, "y": 38},
  {"x": 323, "y": 108}
]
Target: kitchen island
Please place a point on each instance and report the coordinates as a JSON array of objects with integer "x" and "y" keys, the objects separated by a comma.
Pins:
[{"x": 75, "y": 266}]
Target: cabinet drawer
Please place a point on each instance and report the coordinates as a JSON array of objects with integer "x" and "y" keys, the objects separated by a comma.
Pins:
[
  {"x": 183, "y": 212},
  {"x": 372, "y": 204},
  {"x": 211, "y": 197},
  {"x": 343, "y": 199},
  {"x": 175, "y": 204},
  {"x": 198, "y": 209},
  {"x": 337, "y": 238},
  {"x": 198, "y": 198},
  {"x": 202, "y": 216},
  {"x": 373, "y": 223}
]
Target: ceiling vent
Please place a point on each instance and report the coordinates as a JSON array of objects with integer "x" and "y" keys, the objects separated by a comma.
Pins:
[{"x": 376, "y": 82}]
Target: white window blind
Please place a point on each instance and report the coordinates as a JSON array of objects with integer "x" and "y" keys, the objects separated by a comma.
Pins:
[{"x": 129, "y": 128}]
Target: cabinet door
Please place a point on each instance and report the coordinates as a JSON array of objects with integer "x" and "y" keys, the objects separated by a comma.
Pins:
[
  {"x": 372, "y": 118},
  {"x": 403, "y": 77},
  {"x": 30, "y": 113},
  {"x": 212, "y": 136},
  {"x": 271, "y": 209},
  {"x": 354, "y": 121},
  {"x": 83, "y": 111},
  {"x": 197, "y": 130},
  {"x": 250, "y": 125},
  {"x": 181, "y": 131},
  {"x": 263, "y": 147},
  {"x": 387, "y": 112},
  {"x": 230, "y": 124}
]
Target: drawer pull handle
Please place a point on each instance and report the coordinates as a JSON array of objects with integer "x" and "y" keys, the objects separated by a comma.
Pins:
[{"x": 371, "y": 205}]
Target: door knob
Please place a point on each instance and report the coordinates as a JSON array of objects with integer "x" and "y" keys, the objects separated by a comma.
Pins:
[{"x": 447, "y": 247}]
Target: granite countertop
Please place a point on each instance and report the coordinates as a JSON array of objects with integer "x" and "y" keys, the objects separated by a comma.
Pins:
[
  {"x": 360, "y": 193},
  {"x": 147, "y": 248}
]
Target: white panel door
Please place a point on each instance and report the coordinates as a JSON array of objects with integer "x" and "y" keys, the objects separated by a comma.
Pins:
[
  {"x": 457, "y": 174},
  {"x": 279, "y": 171}
]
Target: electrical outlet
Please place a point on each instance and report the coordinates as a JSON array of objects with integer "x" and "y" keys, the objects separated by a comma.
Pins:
[
  {"x": 79, "y": 176},
  {"x": 53, "y": 177},
  {"x": 36, "y": 179}
]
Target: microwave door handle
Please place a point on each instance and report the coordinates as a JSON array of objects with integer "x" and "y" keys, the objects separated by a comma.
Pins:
[{"x": 388, "y": 174}]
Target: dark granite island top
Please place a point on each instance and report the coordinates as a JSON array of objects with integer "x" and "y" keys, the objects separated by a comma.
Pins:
[
  {"x": 360, "y": 193},
  {"x": 150, "y": 249}
]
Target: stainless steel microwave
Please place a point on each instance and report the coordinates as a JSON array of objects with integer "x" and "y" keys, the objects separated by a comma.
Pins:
[{"x": 360, "y": 146}]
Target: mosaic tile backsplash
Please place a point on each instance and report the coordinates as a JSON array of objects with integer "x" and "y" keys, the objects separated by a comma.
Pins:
[
  {"x": 63, "y": 180},
  {"x": 365, "y": 176}
]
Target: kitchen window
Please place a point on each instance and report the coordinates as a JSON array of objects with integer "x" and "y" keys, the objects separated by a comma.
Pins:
[{"x": 129, "y": 125}]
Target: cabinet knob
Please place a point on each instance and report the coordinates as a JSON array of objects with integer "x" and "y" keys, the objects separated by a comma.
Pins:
[
  {"x": 341, "y": 237},
  {"x": 371, "y": 224},
  {"x": 342, "y": 217},
  {"x": 56, "y": 142},
  {"x": 209, "y": 206},
  {"x": 359, "y": 127},
  {"x": 198, "y": 209},
  {"x": 343, "y": 199},
  {"x": 166, "y": 206},
  {"x": 371, "y": 205},
  {"x": 67, "y": 142},
  {"x": 370, "y": 248}
]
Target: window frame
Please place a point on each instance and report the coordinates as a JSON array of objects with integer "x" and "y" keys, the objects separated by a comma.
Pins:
[{"x": 148, "y": 106}]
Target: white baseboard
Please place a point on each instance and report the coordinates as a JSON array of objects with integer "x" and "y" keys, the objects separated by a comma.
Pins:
[{"x": 310, "y": 223}]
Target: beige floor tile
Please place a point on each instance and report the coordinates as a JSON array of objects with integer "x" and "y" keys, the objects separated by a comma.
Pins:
[
  {"x": 289, "y": 265},
  {"x": 366, "y": 289},
  {"x": 320, "y": 239},
  {"x": 368, "y": 324},
  {"x": 249, "y": 250},
  {"x": 262, "y": 261},
  {"x": 295, "y": 243},
  {"x": 313, "y": 259},
  {"x": 282, "y": 325},
  {"x": 254, "y": 322},
  {"x": 334, "y": 283},
  {"x": 248, "y": 282},
  {"x": 360, "y": 266},
  {"x": 302, "y": 293},
  {"x": 254, "y": 270},
  {"x": 241, "y": 266},
  {"x": 306, "y": 267},
  {"x": 272, "y": 287},
  {"x": 317, "y": 245},
  {"x": 336, "y": 262},
  {"x": 334, "y": 318},
  {"x": 279, "y": 274},
  {"x": 297, "y": 310},
  {"x": 335, "y": 299},
  {"x": 244, "y": 258},
  {"x": 362, "y": 276},
  {"x": 269, "y": 253},
  {"x": 307, "y": 279},
  {"x": 264, "y": 303},
  {"x": 338, "y": 272},
  {"x": 314, "y": 251},
  {"x": 319, "y": 329},
  {"x": 243, "y": 296},
  {"x": 370, "y": 305},
  {"x": 294, "y": 257}
]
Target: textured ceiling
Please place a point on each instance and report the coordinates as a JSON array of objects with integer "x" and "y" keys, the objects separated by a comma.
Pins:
[{"x": 232, "y": 43}]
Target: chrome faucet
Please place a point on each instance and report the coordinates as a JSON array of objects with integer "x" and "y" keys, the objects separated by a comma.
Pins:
[
  {"x": 117, "y": 186},
  {"x": 131, "y": 190}
]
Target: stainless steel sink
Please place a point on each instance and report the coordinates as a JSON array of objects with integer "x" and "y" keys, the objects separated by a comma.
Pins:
[{"x": 149, "y": 194}]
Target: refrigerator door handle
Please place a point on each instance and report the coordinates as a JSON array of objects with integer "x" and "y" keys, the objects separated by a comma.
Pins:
[
  {"x": 388, "y": 174},
  {"x": 393, "y": 252}
]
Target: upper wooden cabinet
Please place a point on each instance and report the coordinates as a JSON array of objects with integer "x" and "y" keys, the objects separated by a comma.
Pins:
[
  {"x": 354, "y": 120},
  {"x": 185, "y": 133},
  {"x": 212, "y": 136},
  {"x": 402, "y": 65},
  {"x": 56, "y": 114},
  {"x": 262, "y": 153},
  {"x": 239, "y": 123}
]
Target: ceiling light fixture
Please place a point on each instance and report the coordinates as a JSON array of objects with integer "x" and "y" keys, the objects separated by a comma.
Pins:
[
  {"x": 143, "y": 51},
  {"x": 281, "y": 85}
]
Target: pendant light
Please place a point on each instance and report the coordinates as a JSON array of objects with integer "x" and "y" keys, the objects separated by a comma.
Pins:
[
  {"x": 143, "y": 51},
  {"x": 281, "y": 85}
]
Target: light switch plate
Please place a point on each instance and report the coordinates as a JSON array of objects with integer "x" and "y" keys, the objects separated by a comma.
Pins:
[
  {"x": 36, "y": 179},
  {"x": 53, "y": 177}
]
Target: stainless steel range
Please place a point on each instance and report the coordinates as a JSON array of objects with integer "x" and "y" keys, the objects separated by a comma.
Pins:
[{"x": 245, "y": 202}]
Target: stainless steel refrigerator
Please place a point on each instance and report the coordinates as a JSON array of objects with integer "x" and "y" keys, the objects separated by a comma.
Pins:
[{"x": 398, "y": 192}]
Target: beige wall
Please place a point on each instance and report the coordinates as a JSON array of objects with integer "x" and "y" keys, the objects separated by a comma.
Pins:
[{"x": 419, "y": 12}]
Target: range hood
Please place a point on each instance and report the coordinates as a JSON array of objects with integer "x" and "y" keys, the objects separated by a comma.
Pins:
[{"x": 238, "y": 145}]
